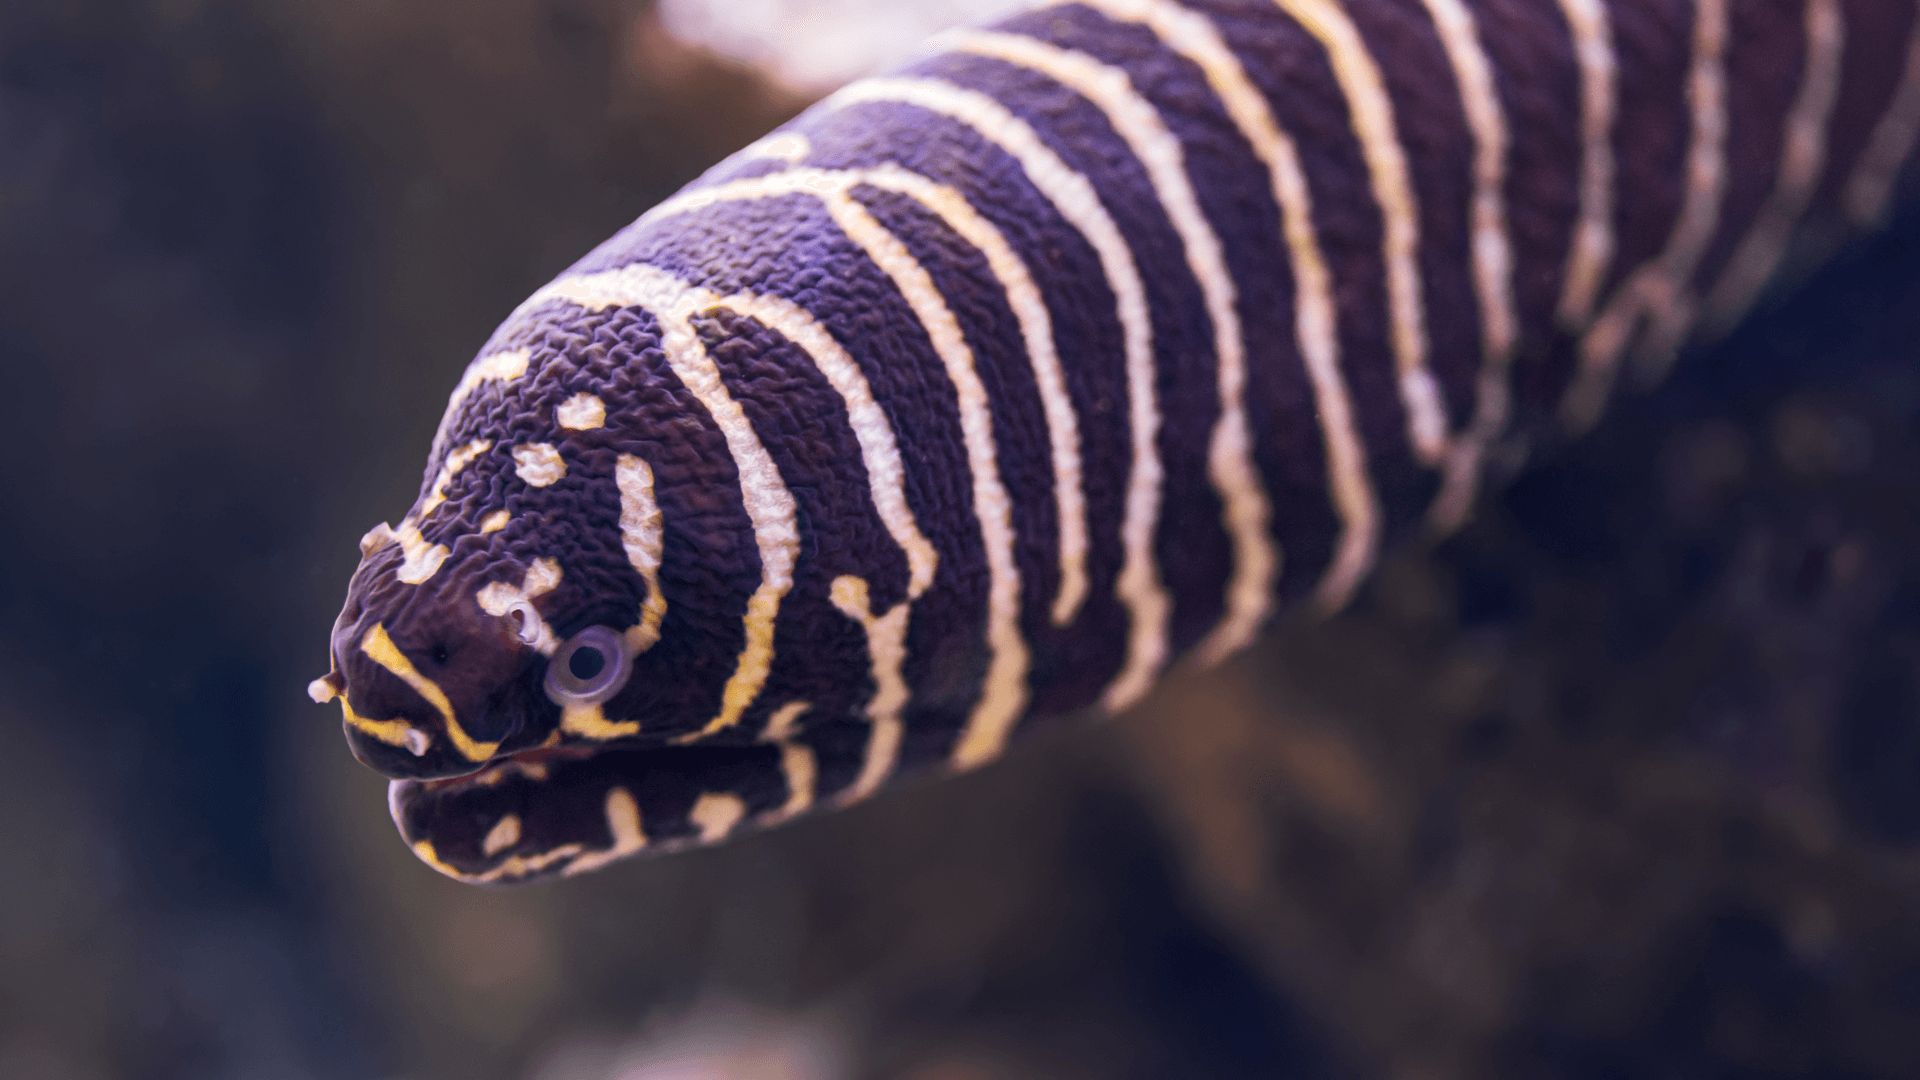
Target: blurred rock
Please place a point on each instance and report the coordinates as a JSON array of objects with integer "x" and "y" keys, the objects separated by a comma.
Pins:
[{"x": 1646, "y": 800}]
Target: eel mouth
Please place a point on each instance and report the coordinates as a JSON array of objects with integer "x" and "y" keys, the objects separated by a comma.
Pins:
[{"x": 533, "y": 763}]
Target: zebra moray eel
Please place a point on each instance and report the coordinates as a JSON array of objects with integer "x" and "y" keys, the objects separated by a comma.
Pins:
[{"x": 978, "y": 394}]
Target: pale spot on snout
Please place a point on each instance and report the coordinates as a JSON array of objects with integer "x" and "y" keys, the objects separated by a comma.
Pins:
[
  {"x": 581, "y": 412},
  {"x": 539, "y": 464},
  {"x": 504, "y": 834}
]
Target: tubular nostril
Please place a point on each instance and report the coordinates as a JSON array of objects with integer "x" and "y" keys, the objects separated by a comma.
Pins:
[{"x": 526, "y": 621}]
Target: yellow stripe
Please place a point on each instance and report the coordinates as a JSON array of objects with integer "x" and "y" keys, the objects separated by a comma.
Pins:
[
  {"x": 513, "y": 868},
  {"x": 377, "y": 645},
  {"x": 886, "y": 479},
  {"x": 590, "y": 722},
  {"x": 456, "y": 461},
  {"x": 391, "y": 732}
]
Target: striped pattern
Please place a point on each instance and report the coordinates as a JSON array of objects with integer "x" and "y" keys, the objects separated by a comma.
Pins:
[
  {"x": 1072, "y": 197},
  {"x": 980, "y": 392}
]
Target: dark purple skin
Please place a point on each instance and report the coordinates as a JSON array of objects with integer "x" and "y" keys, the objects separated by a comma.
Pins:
[
  {"x": 488, "y": 674},
  {"x": 564, "y": 789}
]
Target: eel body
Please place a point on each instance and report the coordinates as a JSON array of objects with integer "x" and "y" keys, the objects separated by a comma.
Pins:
[{"x": 982, "y": 392}]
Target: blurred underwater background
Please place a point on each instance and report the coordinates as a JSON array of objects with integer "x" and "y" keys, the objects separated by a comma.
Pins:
[{"x": 1622, "y": 781}]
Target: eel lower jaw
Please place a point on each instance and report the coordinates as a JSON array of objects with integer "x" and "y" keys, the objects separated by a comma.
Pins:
[{"x": 532, "y": 763}]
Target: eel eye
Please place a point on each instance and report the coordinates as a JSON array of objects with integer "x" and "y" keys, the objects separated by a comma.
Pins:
[{"x": 590, "y": 667}]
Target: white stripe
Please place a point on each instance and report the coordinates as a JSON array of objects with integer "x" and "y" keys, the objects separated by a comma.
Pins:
[
  {"x": 623, "y": 825},
  {"x": 715, "y": 813},
  {"x": 1023, "y": 297},
  {"x": 1660, "y": 292},
  {"x": 797, "y": 764},
  {"x": 1230, "y": 463},
  {"x": 879, "y": 448},
  {"x": 1370, "y": 111},
  {"x": 886, "y": 651},
  {"x": 886, "y": 484},
  {"x": 1591, "y": 252},
  {"x": 784, "y": 723},
  {"x": 581, "y": 412},
  {"x": 1139, "y": 586},
  {"x": 764, "y": 494},
  {"x": 1315, "y": 313},
  {"x": 643, "y": 535},
  {"x": 422, "y": 560},
  {"x": 1003, "y": 694},
  {"x": 1803, "y": 157},
  {"x": 504, "y": 834},
  {"x": 1871, "y": 184},
  {"x": 802, "y": 773},
  {"x": 1036, "y": 329},
  {"x": 1492, "y": 259},
  {"x": 886, "y": 478},
  {"x": 1674, "y": 305}
]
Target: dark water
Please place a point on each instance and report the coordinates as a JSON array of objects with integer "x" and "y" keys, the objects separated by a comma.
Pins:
[{"x": 245, "y": 250}]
